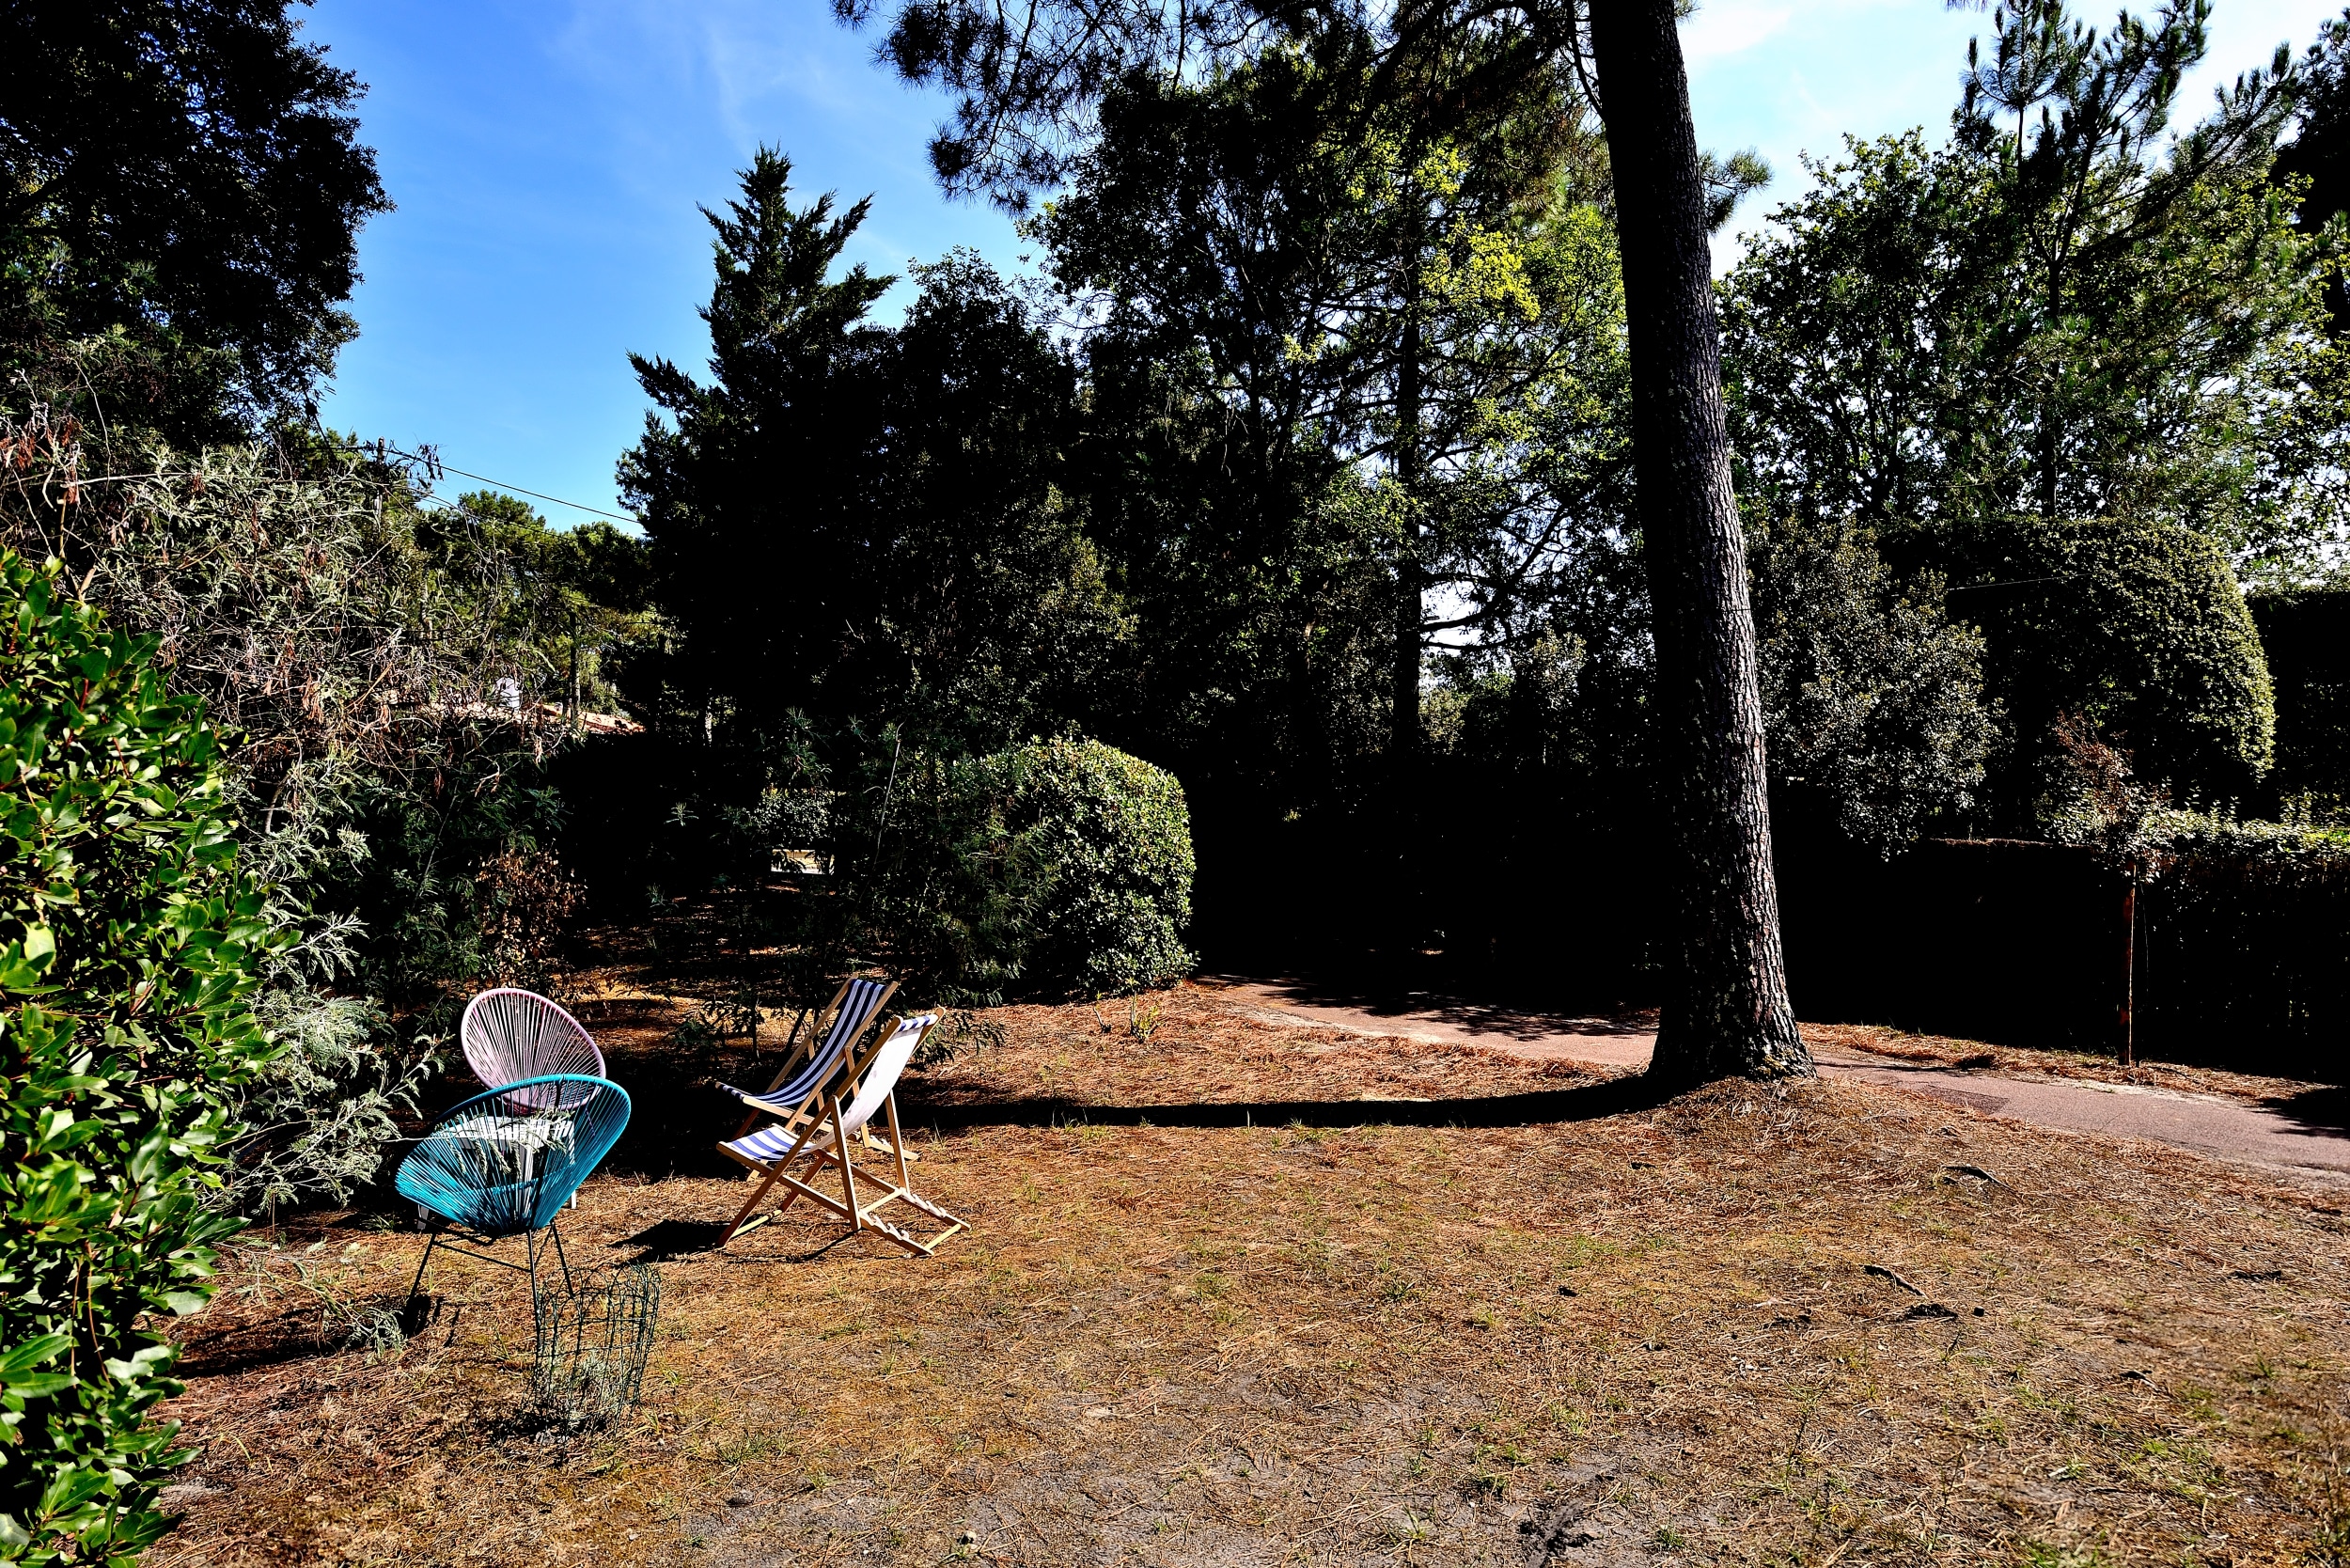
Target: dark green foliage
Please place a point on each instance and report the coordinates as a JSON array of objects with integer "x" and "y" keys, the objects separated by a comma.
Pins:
[
  {"x": 752, "y": 494},
  {"x": 1543, "y": 810},
  {"x": 2063, "y": 316},
  {"x": 2069, "y": 315},
  {"x": 2243, "y": 943},
  {"x": 379, "y": 667},
  {"x": 991, "y": 612},
  {"x": 2248, "y": 937},
  {"x": 2305, "y": 635},
  {"x": 1057, "y": 868},
  {"x": 2315, "y": 164},
  {"x": 1871, "y": 697},
  {"x": 855, "y": 523},
  {"x": 2136, "y": 629},
  {"x": 128, "y": 950},
  {"x": 184, "y": 173},
  {"x": 565, "y": 606}
]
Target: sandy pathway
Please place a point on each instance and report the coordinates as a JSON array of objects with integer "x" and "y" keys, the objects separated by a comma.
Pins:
[{"x": 2225, "y": 1129}]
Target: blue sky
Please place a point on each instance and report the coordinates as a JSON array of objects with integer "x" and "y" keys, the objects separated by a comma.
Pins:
[{"x": 547, "y": 157}]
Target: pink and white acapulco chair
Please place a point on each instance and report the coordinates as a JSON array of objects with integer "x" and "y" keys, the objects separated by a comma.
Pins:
[{"x": 510, "y": 1035}]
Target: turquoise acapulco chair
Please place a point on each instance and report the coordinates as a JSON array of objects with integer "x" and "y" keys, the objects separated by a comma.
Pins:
[{"x": 503, "y": 1164}]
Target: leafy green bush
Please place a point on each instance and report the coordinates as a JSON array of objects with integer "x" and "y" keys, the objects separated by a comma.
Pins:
[
  {"x": 1871, "y": 697},
  {"x": 2135, "y": 630},
  {"x": 129, "y": 944},
  {"x": 1057, "y": 866}
]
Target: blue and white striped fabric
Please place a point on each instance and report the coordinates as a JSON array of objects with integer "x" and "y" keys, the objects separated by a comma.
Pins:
[
  {"x": 771, "y": 1145},
  {"x": 857, "y": 1007}
]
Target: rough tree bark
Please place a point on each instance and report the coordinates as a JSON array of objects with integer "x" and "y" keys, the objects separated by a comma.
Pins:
[{"x": 1726, "y": 1009}]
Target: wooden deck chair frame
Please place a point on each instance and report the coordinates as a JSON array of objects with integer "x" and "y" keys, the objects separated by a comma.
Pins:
[{"x": 821, "y": 1145}]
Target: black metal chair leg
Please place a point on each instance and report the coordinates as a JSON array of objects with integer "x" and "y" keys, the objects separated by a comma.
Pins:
[
  {"x": 411, "y": 1319},
  {"x": 417, "y": 1283},
  {"x": 568, "y": 1287}
]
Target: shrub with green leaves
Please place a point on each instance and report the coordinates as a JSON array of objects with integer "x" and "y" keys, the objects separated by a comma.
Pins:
[
  {"x": 2131, "y": 628},
  {"x": 1115, "y": 833},
  {"x": 129, "y": 941},
  {"x": 1057, "y": 868}
]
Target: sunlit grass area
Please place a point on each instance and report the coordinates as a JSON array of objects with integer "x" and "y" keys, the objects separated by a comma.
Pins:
[{"x": 1808, "y": 1325}]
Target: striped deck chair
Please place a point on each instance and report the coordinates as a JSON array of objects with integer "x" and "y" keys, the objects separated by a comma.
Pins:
[
  {"x": 833, "y": 1030},
  {"x": 818, "y": 1129}
]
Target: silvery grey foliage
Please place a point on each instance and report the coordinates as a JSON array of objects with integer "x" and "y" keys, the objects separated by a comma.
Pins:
[{"x": 284, "y": 586}]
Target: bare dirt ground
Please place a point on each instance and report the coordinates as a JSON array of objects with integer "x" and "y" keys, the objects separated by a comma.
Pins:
[{"x": 1283, "y": 1294}]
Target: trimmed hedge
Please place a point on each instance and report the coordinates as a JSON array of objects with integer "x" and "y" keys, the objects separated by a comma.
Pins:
[
  {"x": 1057, "y": 868},
  {"x": 2241, "y": 954},
  {"x": 2245, "y": 931},
  {"x": 2137, "y": 626}
]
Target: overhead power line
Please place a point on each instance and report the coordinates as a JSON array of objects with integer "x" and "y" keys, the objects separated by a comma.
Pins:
[
  {"x": 534, "y": 494},
  {"x": 434, "y": 467}
]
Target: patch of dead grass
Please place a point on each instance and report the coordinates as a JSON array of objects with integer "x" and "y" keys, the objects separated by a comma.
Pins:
[
  {"x": 2048, "y": 1062},
  {"x": 1641, "y": 1335}
]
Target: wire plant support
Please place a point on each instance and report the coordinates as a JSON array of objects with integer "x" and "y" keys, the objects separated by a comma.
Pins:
[{"x": 593, "y": 1344}]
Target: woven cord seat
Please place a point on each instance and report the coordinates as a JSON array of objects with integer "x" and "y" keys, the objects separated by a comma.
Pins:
[{"x": 503, "y": 1162}]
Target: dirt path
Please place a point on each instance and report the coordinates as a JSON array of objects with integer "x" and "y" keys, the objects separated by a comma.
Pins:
[{"x": 2312, "y": 1144}]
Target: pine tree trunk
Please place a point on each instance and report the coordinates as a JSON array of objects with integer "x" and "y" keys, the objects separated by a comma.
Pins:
[{"x": 1726, "y": 1009}]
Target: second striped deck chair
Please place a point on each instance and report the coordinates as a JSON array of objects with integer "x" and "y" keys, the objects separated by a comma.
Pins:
[
  {"x": 819, "y": 1128},
  {"x": 832, "y": 1031}
]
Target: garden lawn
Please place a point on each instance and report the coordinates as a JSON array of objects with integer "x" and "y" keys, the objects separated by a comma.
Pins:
[{"x": 1799, "y": 1325}]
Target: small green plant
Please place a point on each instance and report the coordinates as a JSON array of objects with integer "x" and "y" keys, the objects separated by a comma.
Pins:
[
  {"x": 1143, "y": 1021},
  {"x": 961, "y": 1032}
]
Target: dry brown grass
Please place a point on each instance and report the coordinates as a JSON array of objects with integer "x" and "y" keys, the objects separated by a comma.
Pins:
[
  {"x": 1188, "y": 1044},
  {"x": 1622, "y": 1333},
  {"x": 2048, "y": 1062}
]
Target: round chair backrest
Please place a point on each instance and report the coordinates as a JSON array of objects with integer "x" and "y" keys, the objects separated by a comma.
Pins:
[
  {"x": 500, "y": 1173},
  {"x": 510, "y": 1035}
]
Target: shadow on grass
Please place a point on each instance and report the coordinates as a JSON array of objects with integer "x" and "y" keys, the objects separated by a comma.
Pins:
[
  {"x": 1469, "y": 1016},
  {"x": 1584, "y": 1103},
  {"x": 271, "y": 1341},
  {"x": 673, "y": 1238}
]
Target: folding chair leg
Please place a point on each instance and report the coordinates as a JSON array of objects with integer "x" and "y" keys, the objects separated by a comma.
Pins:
[
  {"x": 848, "y": 1173},
  {"x": 898, "y": 1142},
  {"x": 757, "y": 1193}
]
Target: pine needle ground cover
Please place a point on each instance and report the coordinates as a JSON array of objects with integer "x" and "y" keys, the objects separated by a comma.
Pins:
[{"x": 1824, "y": 1325}]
